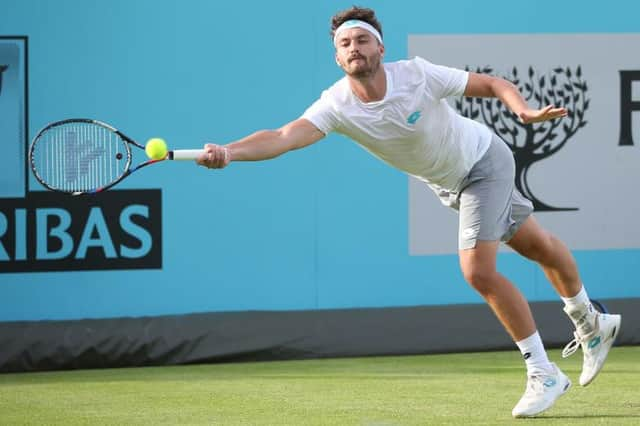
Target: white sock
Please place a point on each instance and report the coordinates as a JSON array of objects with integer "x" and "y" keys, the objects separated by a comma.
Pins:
[
  {"x": 535, "y": 357},
  {"x": 581, "y": 311}
]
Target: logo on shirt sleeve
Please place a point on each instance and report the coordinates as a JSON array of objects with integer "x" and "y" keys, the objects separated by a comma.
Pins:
[{"x": 415, "y": 116}]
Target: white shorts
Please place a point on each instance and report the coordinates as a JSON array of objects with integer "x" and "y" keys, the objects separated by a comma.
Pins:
[{"x": 489, "y": 205}]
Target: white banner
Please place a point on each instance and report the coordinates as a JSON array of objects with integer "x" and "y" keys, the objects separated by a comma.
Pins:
[{"x": 582, "y": 171}]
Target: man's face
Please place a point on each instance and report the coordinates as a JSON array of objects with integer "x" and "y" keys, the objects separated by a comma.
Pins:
[{"x": 358, "y": 52}]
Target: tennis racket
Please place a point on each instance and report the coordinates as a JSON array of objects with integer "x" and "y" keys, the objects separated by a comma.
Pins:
[{"x": 83, "y": 156}]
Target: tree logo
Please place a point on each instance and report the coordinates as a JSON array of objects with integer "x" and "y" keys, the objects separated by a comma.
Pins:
[{"x": 535, "y": 142}]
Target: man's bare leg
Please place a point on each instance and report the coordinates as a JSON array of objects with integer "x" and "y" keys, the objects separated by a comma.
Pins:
[
  {"x": 595, "y": 332},
  {"x": 545, "y": 382}
]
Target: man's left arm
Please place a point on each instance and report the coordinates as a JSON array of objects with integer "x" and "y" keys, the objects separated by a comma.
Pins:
[{"x": 483, "y": 85}]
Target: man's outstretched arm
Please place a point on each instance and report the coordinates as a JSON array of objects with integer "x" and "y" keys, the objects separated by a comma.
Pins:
[
  {"x": 482, "y": 85},
  {"x": 262, "y": 145}
]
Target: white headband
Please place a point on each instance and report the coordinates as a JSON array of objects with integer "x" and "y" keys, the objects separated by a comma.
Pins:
[{"x": 355, "y": 23}]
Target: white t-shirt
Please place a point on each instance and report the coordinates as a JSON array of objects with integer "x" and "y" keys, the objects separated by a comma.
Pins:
[{"x": 413, "y": 128}]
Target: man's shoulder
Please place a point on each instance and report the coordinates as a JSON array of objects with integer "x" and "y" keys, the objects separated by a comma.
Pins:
[
  {"x": 415, "y": 63},
  {"x": 339, "y": 86},
  {"x": 407, "y": 72},
  {"x": 338, "y": 92}
]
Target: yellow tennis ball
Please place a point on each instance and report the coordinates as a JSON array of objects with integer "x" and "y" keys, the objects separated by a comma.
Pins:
[{"x": 156, "y": 148}]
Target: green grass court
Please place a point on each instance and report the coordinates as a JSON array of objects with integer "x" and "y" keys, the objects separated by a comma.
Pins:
[{"x": 473, "y": 388}]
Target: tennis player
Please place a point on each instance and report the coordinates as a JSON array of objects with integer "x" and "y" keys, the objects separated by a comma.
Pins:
[{"x": 397, "y": 111}]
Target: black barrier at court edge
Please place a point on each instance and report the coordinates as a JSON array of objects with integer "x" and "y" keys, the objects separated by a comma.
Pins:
[{"x": 279, "y": 335}]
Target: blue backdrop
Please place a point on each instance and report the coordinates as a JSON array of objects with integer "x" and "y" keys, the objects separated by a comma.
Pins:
[{"x": 325, "y": 227}]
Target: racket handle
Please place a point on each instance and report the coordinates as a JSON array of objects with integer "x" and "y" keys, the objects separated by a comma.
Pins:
[{"x": 185, "y": 154}]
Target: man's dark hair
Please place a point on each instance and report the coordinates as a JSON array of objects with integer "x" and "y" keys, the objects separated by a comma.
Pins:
[{"x": 359, "y": 13}]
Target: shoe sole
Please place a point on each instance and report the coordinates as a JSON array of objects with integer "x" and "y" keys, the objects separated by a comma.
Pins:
[
  {"x": 616, "y": 330},
  {"x": 566, "y": 388}
]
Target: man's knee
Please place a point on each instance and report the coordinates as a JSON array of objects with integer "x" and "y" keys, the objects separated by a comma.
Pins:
[{"x": 480, "y": 277}]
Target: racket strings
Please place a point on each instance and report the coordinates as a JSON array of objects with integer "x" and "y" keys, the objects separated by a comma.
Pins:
[{"x": 80, "y": 157}]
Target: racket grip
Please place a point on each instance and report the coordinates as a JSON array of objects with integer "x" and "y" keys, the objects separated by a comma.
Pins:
[{"x": 185, "y": 154}]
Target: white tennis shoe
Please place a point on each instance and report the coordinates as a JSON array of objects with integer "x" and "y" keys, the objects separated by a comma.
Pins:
[
  {"x": 541, "y": 392},
  {"x": 595, "y": 345}
]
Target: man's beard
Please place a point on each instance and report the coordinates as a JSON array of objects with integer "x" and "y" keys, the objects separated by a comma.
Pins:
[{"x": 370, "y": 67}]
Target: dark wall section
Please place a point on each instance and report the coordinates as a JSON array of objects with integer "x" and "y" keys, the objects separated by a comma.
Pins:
[{"x": 253, "y": 336}]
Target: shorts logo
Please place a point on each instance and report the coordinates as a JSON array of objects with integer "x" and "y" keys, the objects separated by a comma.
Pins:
[{"x": 468, "y": 233}]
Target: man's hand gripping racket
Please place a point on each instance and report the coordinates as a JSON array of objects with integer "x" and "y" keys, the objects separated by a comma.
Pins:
[{"x": 214, "y": 156}]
